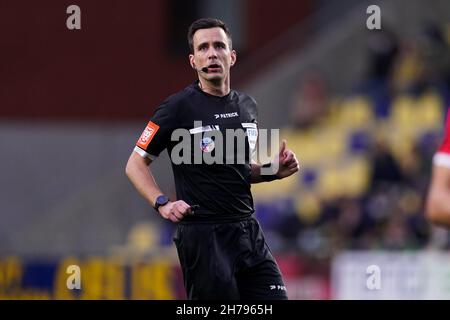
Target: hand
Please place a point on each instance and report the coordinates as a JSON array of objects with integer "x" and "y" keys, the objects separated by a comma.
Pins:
[
  {"x": 288, "y": 163},
  {"x": 175, "y": 211}
]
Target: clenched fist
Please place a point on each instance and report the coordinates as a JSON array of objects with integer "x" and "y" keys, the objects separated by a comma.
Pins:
[{"x": 175, "y": 211}]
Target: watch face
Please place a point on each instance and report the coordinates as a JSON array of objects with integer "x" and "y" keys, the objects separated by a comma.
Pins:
[{"x": 162, "y": 200}]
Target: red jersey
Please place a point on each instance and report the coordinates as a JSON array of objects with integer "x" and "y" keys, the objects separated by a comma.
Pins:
[{"x": 442, "y": 156}]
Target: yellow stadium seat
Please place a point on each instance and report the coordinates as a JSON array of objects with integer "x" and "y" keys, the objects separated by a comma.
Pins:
[
  {"x": 307, "y": 207},
  {"x": 276, "y": 189},
  {"x": 350, "y": 177},
  {"x": 304, "y": 144},
  {"x": 356, "y": 113},
  {"x": 330, "y": 183},
  {"x": 401, "y": 143},
  {"x": 403, "y": 113},
  {"x": 430, "y": 116},
  {"x": 410, "y": 118},
  {"x": 356, "y": 177},
  {"x": 331, "y": 144}
]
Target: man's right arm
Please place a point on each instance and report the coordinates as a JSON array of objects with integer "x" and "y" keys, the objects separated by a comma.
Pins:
[
  {"x": 139, "y": 173},
  {"x": 142, "y": 178}
]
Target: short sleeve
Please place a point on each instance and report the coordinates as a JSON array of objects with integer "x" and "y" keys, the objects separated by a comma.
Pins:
[
  {"x": 442, "y": 156},
  {"x": 156, "y": 135}
]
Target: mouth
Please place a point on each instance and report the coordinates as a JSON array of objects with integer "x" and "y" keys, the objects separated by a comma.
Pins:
[{"x": 214, "y": 68}]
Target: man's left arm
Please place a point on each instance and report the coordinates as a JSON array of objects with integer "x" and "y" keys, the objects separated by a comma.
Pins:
[
  {"x": 287, "y": 164},
  {"x": 437, "y": 209}
]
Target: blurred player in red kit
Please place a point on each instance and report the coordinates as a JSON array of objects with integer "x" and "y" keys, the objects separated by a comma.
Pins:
[{"x": 438, "y": 202}]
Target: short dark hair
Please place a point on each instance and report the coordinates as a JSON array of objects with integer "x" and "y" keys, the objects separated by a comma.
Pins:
[{"x": 207, "y": 23}]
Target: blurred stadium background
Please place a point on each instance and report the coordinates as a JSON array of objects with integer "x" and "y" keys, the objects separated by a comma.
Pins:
[{"x": 364, "y": 111}]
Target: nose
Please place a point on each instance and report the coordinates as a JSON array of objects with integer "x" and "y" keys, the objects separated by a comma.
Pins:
[{"x": 212, "y": 53}]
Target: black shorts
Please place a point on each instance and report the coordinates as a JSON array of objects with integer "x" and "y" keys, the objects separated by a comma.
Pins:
[{"x": 228, "y": 260}]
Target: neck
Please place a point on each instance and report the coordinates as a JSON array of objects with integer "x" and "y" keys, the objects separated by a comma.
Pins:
[{"x": 216, "y": 88}]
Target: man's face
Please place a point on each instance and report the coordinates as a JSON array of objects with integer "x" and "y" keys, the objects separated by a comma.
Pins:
[{"x": 212, "y": 50}]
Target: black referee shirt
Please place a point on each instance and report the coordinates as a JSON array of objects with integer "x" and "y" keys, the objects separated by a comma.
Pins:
[{"x": 222, "y": 190}]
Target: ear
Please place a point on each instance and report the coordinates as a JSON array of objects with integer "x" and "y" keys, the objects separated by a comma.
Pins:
[
  {"x": 233, "y": 57},
  {"x": 191, "y": 60}
]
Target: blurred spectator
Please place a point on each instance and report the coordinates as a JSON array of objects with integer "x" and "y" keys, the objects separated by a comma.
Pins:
[
  {"x": 349, "y": 222},
  {"x": 389, "y": 214},
  {"x": 310, "y": 100},
  {"x": 409, "y": 69},
  {"x": 412, "y": 166},
  {"x": 385, "y": 168},
  {"x": 382, "y": 50},
  {"x": 395, "y": 235},
  {"x": 436, "y": 53}
]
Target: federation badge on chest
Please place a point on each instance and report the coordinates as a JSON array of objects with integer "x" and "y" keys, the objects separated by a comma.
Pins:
[{"x": 207, "y": 144}]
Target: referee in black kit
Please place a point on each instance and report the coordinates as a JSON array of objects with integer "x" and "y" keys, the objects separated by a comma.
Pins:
[{"x": 221, "y": 247}]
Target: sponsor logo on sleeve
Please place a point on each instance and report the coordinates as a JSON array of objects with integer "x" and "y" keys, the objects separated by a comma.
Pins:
[{"x": 147, "y": 135}]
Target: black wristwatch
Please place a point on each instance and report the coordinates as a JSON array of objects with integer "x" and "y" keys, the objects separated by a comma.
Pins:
[
  {"x": 269, "y": 177},
  {"x": 160, "y": 201}
]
